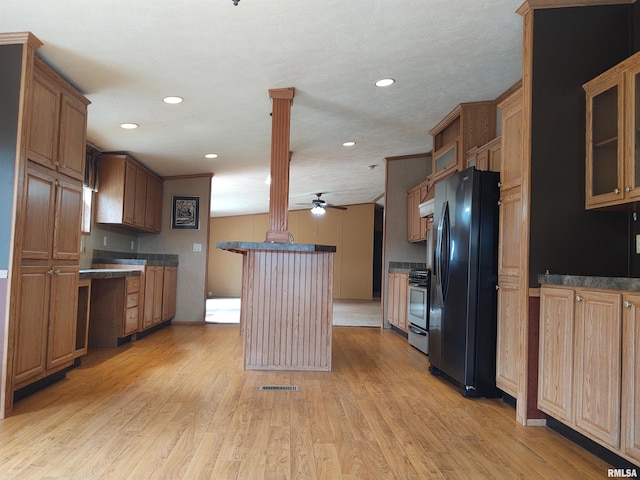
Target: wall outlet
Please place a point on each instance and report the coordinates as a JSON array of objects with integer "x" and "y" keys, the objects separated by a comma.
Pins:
[
  {"x": 133, "y": 245},
  {"x": 104, "y": 241},
  {"x": 197, "y": 247}
]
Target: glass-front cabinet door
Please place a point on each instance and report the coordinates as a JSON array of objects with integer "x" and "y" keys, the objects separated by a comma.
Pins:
[
  {"x": 605, "y": 146},
  {"x": 632, "y": 132}
]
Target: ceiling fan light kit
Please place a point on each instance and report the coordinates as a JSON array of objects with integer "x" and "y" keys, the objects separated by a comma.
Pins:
[{"x": 318, "y": 210}]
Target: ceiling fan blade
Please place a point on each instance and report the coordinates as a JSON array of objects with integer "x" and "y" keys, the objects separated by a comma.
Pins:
[{"x": 336, "y": 207}]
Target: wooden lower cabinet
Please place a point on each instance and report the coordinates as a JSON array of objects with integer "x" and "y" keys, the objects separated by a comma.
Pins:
[
  {"x": 115, "y": 310},
  {"x": 397, "y": 292},
  {"x": 583, "y": 361},
  {"x": 508, "y": 345},
  {"x": 169, "y": 291},
  {"x": 555, "y": 365},
  {"x": 46, "y": 321},
  {"x": 152, "y": 296},
  {"x": 630, "y": 434}
]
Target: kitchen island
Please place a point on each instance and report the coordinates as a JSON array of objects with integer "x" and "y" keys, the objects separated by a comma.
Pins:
[{"x": 286, "y": 305}]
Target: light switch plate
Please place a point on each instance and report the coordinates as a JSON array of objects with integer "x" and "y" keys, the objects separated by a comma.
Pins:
[
  {"x": 638, "y": 243},
  {"x": 197, "y": 247}
]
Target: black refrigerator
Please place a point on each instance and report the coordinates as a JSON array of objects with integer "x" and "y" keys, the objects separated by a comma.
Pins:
[{"x": 463, "y": 310}]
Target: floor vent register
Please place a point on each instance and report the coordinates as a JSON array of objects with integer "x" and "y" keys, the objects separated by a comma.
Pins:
[{"x": 285, "y": 388}]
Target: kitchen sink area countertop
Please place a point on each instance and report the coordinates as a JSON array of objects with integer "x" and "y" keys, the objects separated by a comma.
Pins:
[
  {"x": 605, "y": 283},
  {"x": 92, "y": 273}
]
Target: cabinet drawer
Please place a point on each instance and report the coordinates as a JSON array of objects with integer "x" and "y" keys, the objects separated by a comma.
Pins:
[
  {"x": 131, "y": 320},
  {"x": 133, "y": 285},
  {"x": 132, "y": 300}
]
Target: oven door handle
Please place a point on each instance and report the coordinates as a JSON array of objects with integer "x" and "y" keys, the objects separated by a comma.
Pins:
[{"x": 413, "y": 329}]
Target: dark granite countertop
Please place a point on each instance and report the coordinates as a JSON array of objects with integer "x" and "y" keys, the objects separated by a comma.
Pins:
[
  {"x": 404, "y": 267},
  {"x": 127, "y": 258},
  {"x": 287, "y": 247},
  {"x": 97, "y": 273},
  {"x": 605, "y": 283}
]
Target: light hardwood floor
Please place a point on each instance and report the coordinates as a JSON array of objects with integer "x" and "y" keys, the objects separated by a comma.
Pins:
[{"x": 177, "y": 404}]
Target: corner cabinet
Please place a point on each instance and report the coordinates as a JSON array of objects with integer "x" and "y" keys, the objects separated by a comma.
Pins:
[
  {"x": 589, "y": 364},
  {"x": 468, "y": 125},
  {"x": 613, "y": 116},
  {"x": 129, "y": 194}
]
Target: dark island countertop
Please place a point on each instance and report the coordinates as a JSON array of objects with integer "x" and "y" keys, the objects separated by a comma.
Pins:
[
  {"x": 286, "y": 247},
  {"x": 98, "y": 273},
  {"x": 605, "y": 283}
]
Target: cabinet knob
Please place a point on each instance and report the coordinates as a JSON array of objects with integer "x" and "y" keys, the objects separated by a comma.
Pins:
[
  {"x": 50, "y": 272},
  {"x": 627, "y": 189},
  {"x": 616, "y": 191},
  {"x": 578, "y": 298},
  {"x": 497, "y": 287},
  {"x": 57, "y": 272},
  {"x": 626, "y": 304},
  {"x": 499, "y": 203}
]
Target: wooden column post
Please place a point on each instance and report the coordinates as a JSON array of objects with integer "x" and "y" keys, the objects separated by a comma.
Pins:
[{"x": 281, "y": 98}]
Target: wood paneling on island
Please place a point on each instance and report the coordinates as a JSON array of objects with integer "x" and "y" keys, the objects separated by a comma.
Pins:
[{"x": 287, "y": 305}]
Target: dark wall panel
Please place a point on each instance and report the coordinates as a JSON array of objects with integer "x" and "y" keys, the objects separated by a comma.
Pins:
[
  {"x": 11, "y": 62},
  {"x": 571, "y": 46}
]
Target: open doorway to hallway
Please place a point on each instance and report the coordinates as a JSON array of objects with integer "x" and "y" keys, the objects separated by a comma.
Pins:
[{"x": 346, "y": 313}]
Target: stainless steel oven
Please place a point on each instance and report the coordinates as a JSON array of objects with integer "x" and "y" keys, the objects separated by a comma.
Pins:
[{"x": 418, "y": 308}]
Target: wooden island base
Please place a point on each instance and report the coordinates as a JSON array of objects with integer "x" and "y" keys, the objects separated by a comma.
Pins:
[{"x": 287, "y": 305}]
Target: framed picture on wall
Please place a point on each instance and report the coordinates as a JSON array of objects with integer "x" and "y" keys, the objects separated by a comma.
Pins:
[{"x": 185, "y": 213}]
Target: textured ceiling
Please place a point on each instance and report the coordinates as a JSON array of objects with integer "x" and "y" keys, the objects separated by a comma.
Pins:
[{"x": 125, "y": 56}]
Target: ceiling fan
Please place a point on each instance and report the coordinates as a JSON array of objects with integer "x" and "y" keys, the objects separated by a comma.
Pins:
[{"x": 320, "y": 206}]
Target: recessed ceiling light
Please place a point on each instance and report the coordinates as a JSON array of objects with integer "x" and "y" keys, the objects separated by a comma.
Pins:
[
  {"x": 129, "y": 126},
  {"x": 173, "y": 100},
  {"x": 385, "y": 82},
  {"x": 348, "y": 144},
  {"x": 211, "y": 155}
]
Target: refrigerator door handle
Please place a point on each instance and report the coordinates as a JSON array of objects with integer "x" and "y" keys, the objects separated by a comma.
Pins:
[{"x": 442, "y": 251}]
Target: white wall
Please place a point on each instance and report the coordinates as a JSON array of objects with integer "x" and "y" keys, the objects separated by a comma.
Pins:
[{"x": 401, "y": 175}]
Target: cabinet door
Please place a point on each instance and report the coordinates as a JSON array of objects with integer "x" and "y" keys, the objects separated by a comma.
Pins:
[
  {"x": 39, "y": 208},
  {"x": 30, "y": 359},
  {"x": 605, "y": 152},
  {"x": 169, "y": 286},
  {"x": 511, "y": 156},
  {"x": 140, "y": 198},
  {"x": 555, "y": 361},
  {"x": 153, "y": 206},
  {"x": 630, "y": 420},
  {"x": 129, "y": 201},
  {"x": 508, "y": 345},
  {"x": 445, "y": 161},
  {"x": 402, "y": 300},
  {"x": 391, "y": 300},
  {"x": 158, "y": 287},
  {"x": 495, "y": 157},
  {"x": 67, "y": 220},
  {"x": 510, "y": 220},
  {"x": 44, "y": 121},
  {"x": 63, "y": 311},
  {"x": 597, "y": 363},
  {"x": 72, "y": 140}
]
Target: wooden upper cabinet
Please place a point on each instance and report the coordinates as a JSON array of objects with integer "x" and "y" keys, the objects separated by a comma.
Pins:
[
  {"x": 153, "y": 210},
  {"x": 512, "y": 150},
  {"x": 58, "y": 123},
  {"x": 51, "y": 224},
  {"x": 486, "y": 157},
  {"x": 128, "y": 194},
  {"x": 613, "y": 116},
  {"x": 468, "y": 125}
]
